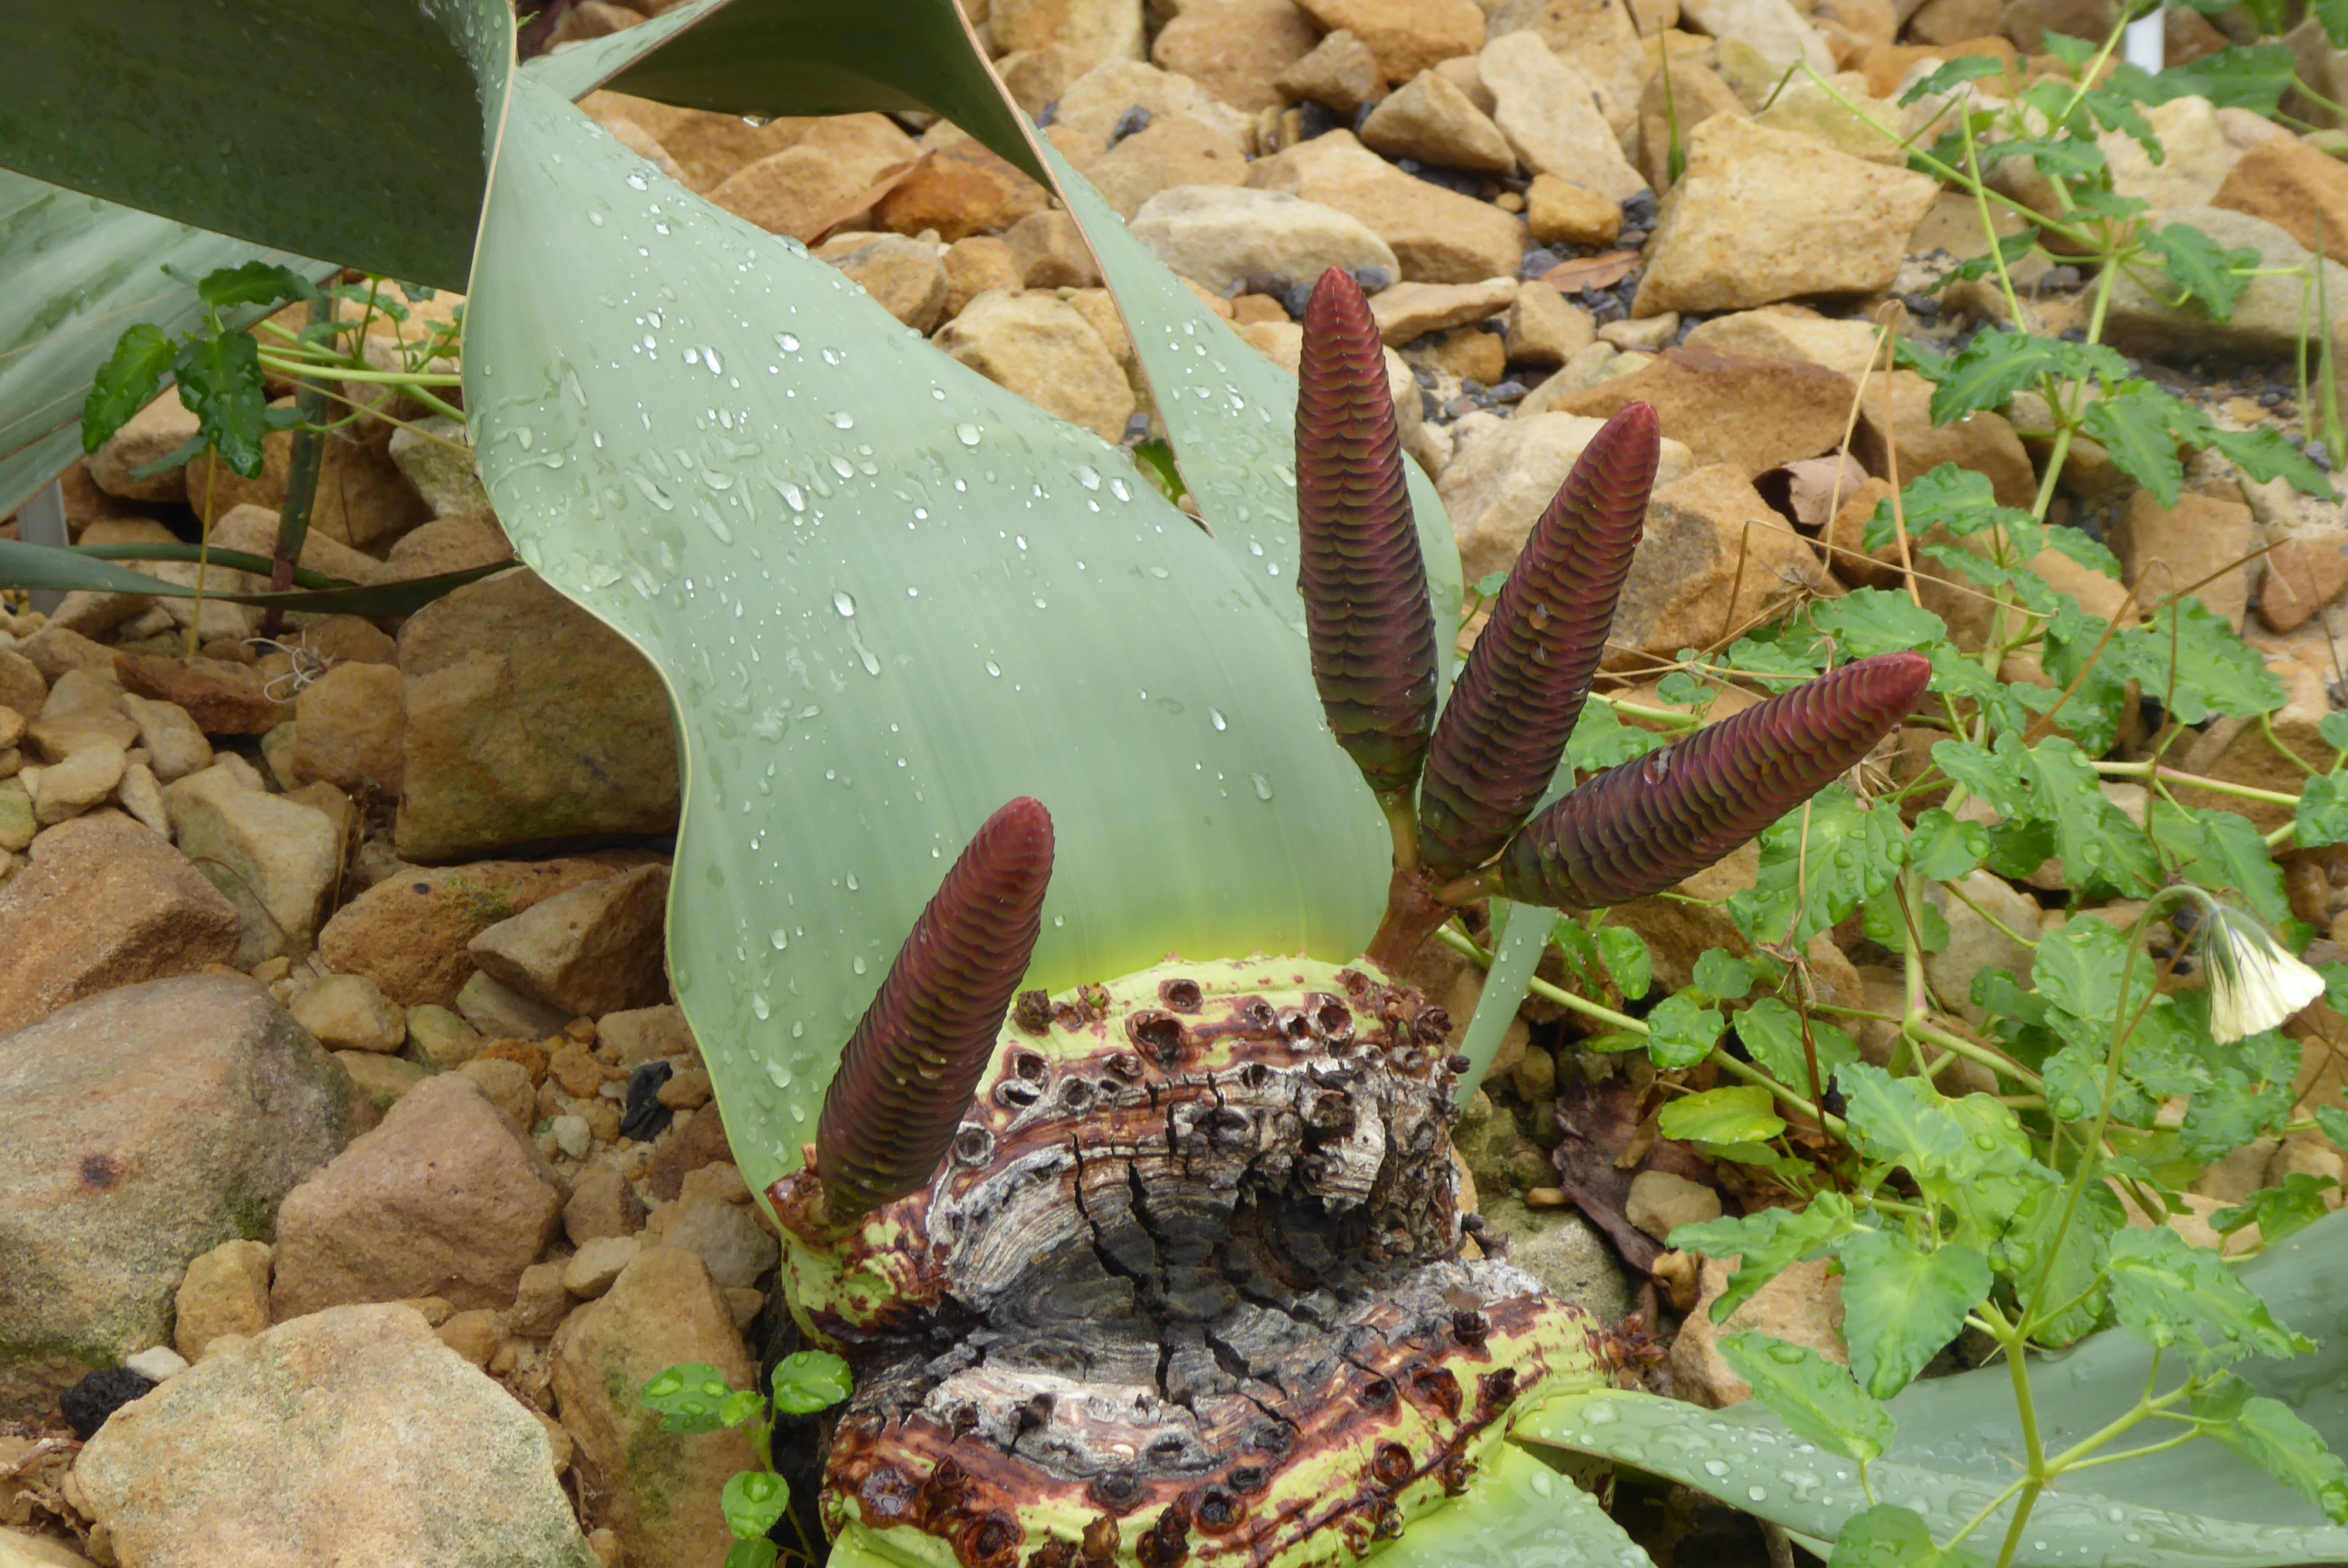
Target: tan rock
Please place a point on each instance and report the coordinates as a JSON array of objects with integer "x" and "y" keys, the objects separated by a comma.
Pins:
[
  {"x": 1716, "y": 560},
  {"x": 1543, "y": 329},
  {"x": 1974, "y": 943},
  {"x": 2163, "y": 551},
  {"x": 2197, "y": 158},
  {"x": 1437, "y": 236},
  {"x": 1169, "y": 152},
  {"x": 1340, "y": 73},
  {"x": 1772, "y": 28},
  {"x": 64, "y": 789},
  {"x": 1041, "y": 348},
  {"x": 1505, "y": 473},
  {"x": 1598, "y": 39},
  {"x": 722, "y": 1233},
  {"x": 1219, "y": 236},
  {"x": 226, "y": 1291},
  {"x": 104, "y": 903},
  {"x": 224, "y": 698},
  {"x": 378, "y": 1081},
  {"x": 509, "y": 1017},
  {"x": 1752, "y": 414},
  {"x": 2303, "y": 576},
  {"x": 1561, "y": 211},
  {"x": 707, "y": 145},
  {"x": 1052, "y": 252},
  {"x": 592, "y": 949},
  {"x": 347, "y": 1013},
  {"x": 149, "y": 437},
  {"x": 1282, "y": 343},
  {"x": 1405, "y": 35},
  {"x": 598, "y": 1263},
  {"x": 1431, "y": 119},
  {"x": 507, "y": 1085},
  {"x": 350, "y": 729},
  {"x": 1409, "y": 310},
  {"x": 363, "y": 501},
  {"x": 1110, "y": 28},
  {"x": 602, "y": 1205},
  {"x": 663, "y": 1309},
  {"x": 445, "y": 545},
  {"x": 1098, "y": 101},
  {"x": 442, "y": 1199},
  {"x": 2294, "y": 187},
  {"x": 22, "y": 685},
  {"x": 2268, "y": 317},
  {"x": 1802, "y": 1305},
  {"x": 960, "y": 190},
  {"x": 1235, "y": 48},
  {"x": 1789, "y": 332},
  {"x": 639, "y": 1035},
  {"x": 905, "y": 277},
  {"x": 798, "y": 192},
  {"x": 1898, "y": 415},
  {"x": 975, "y": 265},
  {"x": 1697, "y": 94},
  {"x": 1660, "y": 1202},
  {"x": 275, "y": 859},
  {"x": 1545, "y": 109},
  {"x": 1037, "y": 77},
  {"x": 408, "y": 933},
  {"x": 1764, "y": 215}
]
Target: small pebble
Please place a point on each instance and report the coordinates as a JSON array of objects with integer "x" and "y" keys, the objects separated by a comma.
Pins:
[
  {"x": 1545, "y": 1198},
  {"x": 88, "y": 1402},
  {"x": 593, "y": 1267},
  {"x": 1133, "y": 122},
  {"x": 573, "y": 1136},
  {"x": 158, "y": 1362},
  {"x": 646, "y": 1118}
]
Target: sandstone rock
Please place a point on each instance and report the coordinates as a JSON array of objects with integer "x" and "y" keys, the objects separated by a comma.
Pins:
[
  {"x": 960, "y": 190},
  {"x": 274, "y": 858},
  {"x": 1542, "y": 329},
  {"x": 1038, "y": 346},
  {"x": 1660, "y": 1202},
  {"x": 1561, "y": 211},
  {"x": 226, "y": 1292},
  {"x": 905, "y": 277},
  {"x": 503, "y": 1013},
  {"x": 1110, "y": 28},
  {"x": 1788, "y": 332},
  {"x": 707, "y": 145},
  {"x": 300, "y": 1446},
  {"x": 1409, "y": 310},
  {"x": 508, "y": 1085},
  {"x": 175, "y": 746},
  {"x": 104, "y": 903},
  {"x": 1598, "y": 39},
  {"x": 350, "y": 728},
  {"x": 528, "y": 720},
  {"x": 2267, "y": 319},
  {"x": 446, "y": 545},
  {"x": 439, "y": 1039},
  {"x": 1052, "y": 252},
  {"x": 17, "y": 824},
  {"x": 147, "y": 1127},
  {"x": 645, "y": 1034},
  {"x": 1437, "y": 236},
  {"x": 2196, "y": 161},
  {"x": 442, "y": 1199},
  {"x": 363, "y": 499},
  {"x": 2164, "y": 550},
  {"x": 1766, "y": 215},
  {"x": 346, "y": 1012},
  {"x": 661, "y": 1488},
  {"x": 1235, "y": 48},
  {"x": 72, "y": 785},
  {"x": 22, "y": 685},
  {"x": 1802, "y": 1305},
  {"x": 1698, "y": 94},
  {"x": 1502, "y": 479},
  {"x": 594, "y": 949},
  {"x": 148, "y": 437},
  {"x": 2303, "y": 576},
  {"x": 437, "y": 459},
  {"x": 224, "y": 698},
  {"x": 377, "y": 1080},
  {"x": 602, "y": 1204},
  {"x": 408, "y": 933},
  {"x": 1899, "y": 405},
  {"x": 1170, "y": 153},
  {"x": 598, "y": 1263},
  {"x": 1340, "y": 73},
  {"x": 1098, "y": 101},
  {"x": 797, "y": 192},
  {"x": 1221, "y": 236},
  {"x": 1405, "y": 35},
  {"x": 1772, "y": 28},
  {"x": 1434, "y": 121},
  {"x": 2294, "y": 187},
  {"x": 53, "y": 650},
  {"x": 722, "y": 1234},
  {"x": 1544, "y": 107},
  {"x": 1751, "y": 413},
  {"x": 1716, "y": 560}
]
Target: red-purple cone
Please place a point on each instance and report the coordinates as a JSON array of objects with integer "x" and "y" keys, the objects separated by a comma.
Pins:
[
  {"x": 1505, "y": 728},
  {"x": 917, "y": 1053},
  {"x": 1366, "y": 612},
  {"x": 1657, "y": 820}
]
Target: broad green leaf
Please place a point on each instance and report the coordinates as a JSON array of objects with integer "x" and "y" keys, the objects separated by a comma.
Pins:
[
  {"x": 1942, "y": 848},
  {"x": 1601, "y": 739},
  {"x": 2093, "y": 837},
  {"x": 259, "y": 283},
  {"x": 2221, "y": 851},
  {"x": 2061, "y": 1283},
  {"x": 1741, "y": 1114},
  {"x": 1867, "y": 620},
  {"x": 2079, "y": 965},
  {"x": 1899, "y": 1121},
  {"x": 2251, "y": 76},
  {"x": 127, "y": 382},
  {"x": 2091, "y": 553},
  {"x": 1628, "y": 962},
  {"x": 2132, "y": 421},
  {"x": 752, "y": 1553},
  {"x": 695, "y": 1397},
  {"x": 1772, "y": 1034},
  {"x": 2266, "y": 1433},
  {"x": 1769, "y": 1241},
  {"x": 2213, "y": 673},
  {"x": 1991, "y": 368},
  {"x": 2331, "y": 15},
  {"x": 2264, "y": 454},
  {"x": 1994, "y": 775},
  {"x": 1902, "y": 1305},
  {"x": 2279, "y": 1212},
  {"x": 2168, "y": 1292},
  {"x": 754, "y": 1501},
  {"x": 1823, "y": 858},
  {"x": 1722, "y": 978},
  {"x": 2204, "y": 269},
  {"x": 1681, "y": 1031},
  {"x": 1818, "y": 1398},
  {"x": 1890, "y": 1536},
  {"x": 2009, "y": 250},
  {"x": 221, "y": 383},
  {"x": 2322, "y": 816},
  {"x": 1958, "y": 499},
  {"x": 851, "y": 557},
  {"x": 808, "y": 1381}
]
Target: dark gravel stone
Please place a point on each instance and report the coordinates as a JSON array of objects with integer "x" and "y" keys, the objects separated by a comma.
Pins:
[
  {"x": 1374, "y": 278},
  {"x": 1132, "y": 122},
  {"x": 88, "y": 1402},
  {"x": 645, "y": 1117}
]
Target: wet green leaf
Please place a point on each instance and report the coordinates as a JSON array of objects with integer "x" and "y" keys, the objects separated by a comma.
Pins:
[
  {"x": 1681, "y": 1031},
  {"x": 2267, "y": 1433},
  {"x": 695, "y": 1397},
  {"x": 1943, "y": 848},
  {"x": 1891, "y": 1536},
  {"x": 2214, "y": 671},
  {"x": 1818, "y": 1398},
  {"x": 1902, "y": 1305},
  {"x": 2203, "y": 268},
  {"x": 1624, "y": 953},
  {"x": 2322, "y": 816},
  {"x": 1769, "y": 1241},
  {"x": 221, "y": 383},
  {"x": 1722, "y": 978},
  {"x": 2170, "y": 1293},
  {"x": 2279, "y": 1212},
  {"x": 754, "y": 1501},
  {"x": 1743, "y": 1114},
  {"x": 808, "y": 1381},
  {"x": 127, "y": 382},
  {"x": 1772, "y": 1034}
]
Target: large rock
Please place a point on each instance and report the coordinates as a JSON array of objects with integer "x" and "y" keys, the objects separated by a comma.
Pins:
[
  {"x": 149, "y": 437},
  {"x": 1790, "y": 332},
  {"x": 1974, "y": 943},
  {"x": 1751, "y": 413},
  {"x": 2200, "y": 543},
  {"x": 2195, "y": 156},
  {"x": 104, "y": 903},
  {"x": 363, "y": 500},
  {"x": 409, "y": 932},
  {"x": 1764, "y": 215},
  {"x": 594, "y": 950},
  {"x": 1802, "y": 1305},
  {"x": 1504, "y": 474},
  {"x": 1596, "y": 37},
  {"x": 351, "y": 1436},
  {"x": 1110, "y": 28},
  {"x": 963, "y": 190},
  {"x": 1897, "y": 417},
  {"x": 2267, "y": 318},
  {"x": 1220, "y": 235},
  {"x": 800, "y": 189},
  {"x": 528, "y": 722},
  {"x": 1430, "y": 118},
  {"x": 906, "y": 277},
  {"x": 1096, "y": 103},
  {"x": 659, "y": 1490},
  {"x": 437, "y": 459},
  {"x": 1775, "y": 30},
  {"x": 1407, "y": 36},
  {"x": 1547, "y": 110},
  {"x": 1716, "y": 560},
  {"x": 1234, "y": 48},
  {"x": 1437, "y": 236},
  {"x": 445, "y": 1198},
  {"x": 1039, "y": 347},
  {"x": 349, "y": 726},
  {"x": 2296, "y": 188},
  {"x": 146, "y": 1127},
  {"x": 274, "y": 858},
  {"x": 1169, "y": 152}
]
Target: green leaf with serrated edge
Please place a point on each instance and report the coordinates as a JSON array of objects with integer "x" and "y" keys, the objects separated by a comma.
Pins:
[
  {"x": 1572, "y": 939},
  {"x": 2253, "y": 78},
  {"x": 2079, "y": 966},
  {"x": 1829, "y": 856},
  {"x": 220, "y": 382},
  {"x": 1890, "y": 1536},
  {"x": 254, "y": 283},
  {"x": 2280, "y": 1211},
  {"x": 690, "y": 1397},
  {"x": 2132, "y": 421},
  {"x": 1627, "y": 960},
  {"x": 1867, "y": 620},
  {"x": 1818, "y": 1398},
  {"x": 755, "y": 1553},
  {"x": 1955, "y": 74},
  {"x": 1884, "y": 920},
  {"x": 2322, "y": 816},
  {"x": 808, "y": 1381},
  {"x": 1601, "y": 739},
  {"x": 2333, "y": 728},
  {"x": 754, "y": 1502},
  {"x": 2094, "y": 837},
  {"x": 2331, "y": 15},
  {"x": 1772, "y": 1035},
  {"x": 1989, "y": 371},
  {"x": 1681, "y": 1031},
  {"x": 127, "y": 382},
  {"x": 1722, "y": 978},
  {"x": 1741, "y": 1114},
  {"x": 1957, "y": 499},
  {"x": 2214, "y": 671},
  {"x": 2268, "y": 1434},
  {"x": 1516, "y": 1512},
  {"x": 1900, "y": 1306},
  {"x": 2264, "y": 454},
  {"x": 1769, "y": 1241},
  {"x": 2093, "y": 553},
  {"x": 2075, "y": 1078},
  {"x": 1276, "y": 844},
  {"x": 2221, "y": 851},
  {"x": 2333, "y": 1123},
  {"x": 2171, "y": 1293},
  {"x": 1942, "y": 849},
  {"x": 2235, "y": 1109},
  {"x": 1896, "y": 1120},
  {"x": 2203, "y": 268},
  {"x": 1994, "y": 775}
]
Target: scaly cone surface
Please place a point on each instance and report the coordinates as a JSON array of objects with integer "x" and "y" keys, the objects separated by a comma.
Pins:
[
  {"x": 1505, "y": 729},
  {"x": 917, "y": 1053},
  {"x": 1367, "y": 616},
  {"x": 1652, "y": 822}
]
